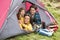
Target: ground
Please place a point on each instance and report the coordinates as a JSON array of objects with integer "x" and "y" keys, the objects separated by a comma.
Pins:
[{"x": 36, "y": 36}]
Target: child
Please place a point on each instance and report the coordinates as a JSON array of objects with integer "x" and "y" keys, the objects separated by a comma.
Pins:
[
  {"x": 34, "y": 15},
  {"x": 44, "y": 31},
  {"x": 27, "y": 25},
  {"x": 43, "y": 26},
  {"x": 20, "y": 15}
]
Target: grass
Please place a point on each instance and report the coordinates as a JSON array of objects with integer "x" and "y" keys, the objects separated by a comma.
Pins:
[{"x": 36, "y": 36}]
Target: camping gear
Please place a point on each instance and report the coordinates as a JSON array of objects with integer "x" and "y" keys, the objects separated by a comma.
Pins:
[
  {"x": 8, "y": 20},
  {"x": 54, "y": 27}
]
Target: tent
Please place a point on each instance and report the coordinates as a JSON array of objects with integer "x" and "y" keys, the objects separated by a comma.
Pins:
[{"x": 8, "y": 19}]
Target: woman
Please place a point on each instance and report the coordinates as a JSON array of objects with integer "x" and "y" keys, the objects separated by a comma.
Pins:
[
  {"x": 27, "y": 24},
  {"x": 35, "y": 15},
  {"x": 20, "y": 15}
]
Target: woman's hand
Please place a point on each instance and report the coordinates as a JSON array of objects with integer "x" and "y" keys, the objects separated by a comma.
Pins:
[{"x": 19, "y": 21}]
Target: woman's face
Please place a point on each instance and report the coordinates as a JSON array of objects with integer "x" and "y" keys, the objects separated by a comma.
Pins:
[
  {"x": 27, "y": 19},
  {"x": 22, "y": 12},
  {"x": 32, "y": 11}
]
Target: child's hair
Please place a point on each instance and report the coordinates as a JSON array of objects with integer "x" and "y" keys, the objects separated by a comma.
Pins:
[
  {"x": 29, "y": 16},
  {"x": 18, "y": 15},
  {"x": 43, "y": 25},
  {"x": 33, "y": 6}
]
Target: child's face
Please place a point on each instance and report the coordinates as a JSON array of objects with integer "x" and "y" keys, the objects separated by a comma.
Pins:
[
  {"x": 22, "y": 12},
  {"x": 32, "y": 11},
  {"x": 27, "y": 19}
]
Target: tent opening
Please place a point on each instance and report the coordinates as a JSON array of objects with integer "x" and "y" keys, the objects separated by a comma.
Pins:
[
  {"x": 45, "y": 15},
  {"x": 25, "y": 6}
]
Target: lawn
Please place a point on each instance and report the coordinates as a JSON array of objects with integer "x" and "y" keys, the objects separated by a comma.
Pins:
[{"x": 36, "y": 36}]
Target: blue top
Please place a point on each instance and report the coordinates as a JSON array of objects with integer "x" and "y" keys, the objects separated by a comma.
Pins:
[{"x": 36, "y": 18}]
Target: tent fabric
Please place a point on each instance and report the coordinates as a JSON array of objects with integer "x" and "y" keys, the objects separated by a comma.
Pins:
[
  {"x": 28, "y": 6},
  {"x": 41, "y": 3},
  {"x": 36, "y": 3},
  {"x": 10, "y": 25},
  {"x": 44, "y": 17},
  {"x": 4, "y": 10},
  {"x": 50, "y": 16}
]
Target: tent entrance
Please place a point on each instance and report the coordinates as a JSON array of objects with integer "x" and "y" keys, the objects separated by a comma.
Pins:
[{"x": 45, "y": 15}]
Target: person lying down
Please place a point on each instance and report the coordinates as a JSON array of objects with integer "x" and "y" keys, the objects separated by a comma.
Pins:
[{"x": 44, "y": 30}]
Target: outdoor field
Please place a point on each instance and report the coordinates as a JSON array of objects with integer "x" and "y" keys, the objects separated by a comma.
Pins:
[{"x": 36, "y": 36}]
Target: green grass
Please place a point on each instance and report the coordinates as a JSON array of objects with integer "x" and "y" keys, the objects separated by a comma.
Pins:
[{"x": 36, "y": 36}]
